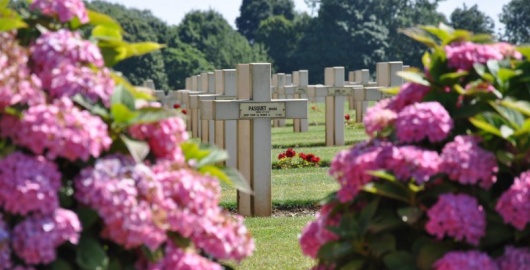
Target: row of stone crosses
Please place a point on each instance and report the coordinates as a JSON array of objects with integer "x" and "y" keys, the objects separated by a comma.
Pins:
[{"x": 233, "y": 109}]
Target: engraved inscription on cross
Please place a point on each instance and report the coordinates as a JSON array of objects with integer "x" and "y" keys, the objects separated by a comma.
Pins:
[{"x": 253, "y": 109}]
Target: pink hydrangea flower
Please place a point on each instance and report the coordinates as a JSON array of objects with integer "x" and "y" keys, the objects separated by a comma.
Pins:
[
  {"x": 66, "y": 10},
  {"x": 459, "y": 216},
  {"x": 176, "y": 258},
  {"x": 378, "y": 117},
  {"x": 507, "y": 50},
  {"x": 68, "y": 79},
  {"x": 164, "y": 137},
  {"x": 470, "y": 260},
  {"x": 36, "y": 238},
  {"x": 350, "y": 167},
  {"x": 514, "y": 203},
  {"x": 28, "y": 183},
  {"x": 464, "y": 161},
  {"x": 409, "y": 161},
  {"x": 419, "y": 121},
  {"x": 224, "y": 237},
  {"x": 514, "y": 259},
  {"x": 123, "y": 194},
  {"x": 464, "y": 55},
  {"x": 315, "y": 233},
  {"x": 59, "y": 129},
  {"x": 409, "y": 93},
  {"x": 17, "y": 84},
  {"x": 54, "y": 48}
]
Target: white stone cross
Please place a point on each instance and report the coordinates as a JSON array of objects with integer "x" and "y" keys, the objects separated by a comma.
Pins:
[
  {"x": 300, "y": 82},
  {"x": 196, "y": 85},
  {"x": 254, "y": 110},
  {"x": 208, "y": 86}
]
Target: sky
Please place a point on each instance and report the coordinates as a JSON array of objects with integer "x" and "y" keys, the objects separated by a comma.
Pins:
[{"x": 172, "y": 11}]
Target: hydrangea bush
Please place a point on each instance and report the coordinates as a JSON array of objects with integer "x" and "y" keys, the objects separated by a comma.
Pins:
[
  {"x": 94, "y": 174},
  {"x": 444, "y": 180}
]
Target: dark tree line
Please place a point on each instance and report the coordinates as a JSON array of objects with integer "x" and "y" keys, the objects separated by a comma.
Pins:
[{"x": 351, "y": 33}]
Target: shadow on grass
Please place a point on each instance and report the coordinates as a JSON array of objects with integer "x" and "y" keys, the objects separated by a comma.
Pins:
[{"x": 287, "y": 205}]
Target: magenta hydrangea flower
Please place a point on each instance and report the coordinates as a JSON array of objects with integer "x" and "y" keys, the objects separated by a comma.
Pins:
[
  {"x": 464, "y": 55},
  {"x": 350, "y": 168},
  {"x": 68, "y": 80},
  {"x": 176, "y": 258},
  {"x": 59, "y": 130},
  {"x": 409, "y": 161},
  {"x": 514, "y": 203},
  {"x": 65, "y": 10},
  {"x": 54, "y": 48},
  {"x": 378, "y": 117},
  {"x": 459, "y": 216},
  {"x": 123, "y": 194},
  {"x": 470, "y": 260},
  {"x": 164, "y": 137},
  {"x": 409, "y": 93},
  {"x": 17, "y": 84},
  {"x": 464, "y": 161},
  {"x": 316, "y": 233},
  {"x": 36, "y": 238},
  {"x": 419, "y": 121},
  {"x": 28, "y": 183},
  {"x": 514, "y": 259}
]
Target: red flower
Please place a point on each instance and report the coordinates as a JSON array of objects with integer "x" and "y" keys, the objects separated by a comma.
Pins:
[
  {"x": 302, "y": 155},
  {"x": 315, "y": 160},
  {"x": 347, "y": 117},
  {"x": 314, "y": 108},
  {"x": 176, "y": 106},
  {"x": 309, "y": 157},
  {"x": 282, "y": 155},
  {"x": 183, "y": 111},
  {"x": 290, "y": 153}
]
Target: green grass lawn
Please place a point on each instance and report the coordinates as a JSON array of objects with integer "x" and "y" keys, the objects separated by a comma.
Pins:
[{"x": 276, "y": 244}]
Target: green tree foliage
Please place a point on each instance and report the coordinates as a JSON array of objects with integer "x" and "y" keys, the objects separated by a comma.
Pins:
[
  {"x": 472, "y": 19},
  {"x": 253, "y": 12},
  {"x": 181, "y": 61},
  {"x": 516, "y": 18},
  {"x": 345, "y": 33},
  {"x": 211, "y": 34},
  {"x": 280, "y": 38},
  {"x": 139, "y": 25}
]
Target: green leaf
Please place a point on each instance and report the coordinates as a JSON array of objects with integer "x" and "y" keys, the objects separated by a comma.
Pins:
[
  {"x": 388, "y": 189},
  {"x": 4, "y": 4},
  {"x": 381, "y": 244},
  {"x": 138, "y": 49},
  {"x": 137, "y": 94},
  {"x": 368, "y": 213},
  {"x": 414, "y": 77},
  {"x": 521, "y": 106},
  {"x": 137, "y": 149},
  {"x": 485, "y": 126},
  {"x": 214, "y": 155},
  {"x": 8, "y": 24},
  {"x": 90, "y": 254},
  {"x": 420, "y": 36},
  {"x": 192, "y": 151},
  {"x": 95, "y": 109},
  {"x": 496, "y": 234},
  {"x": 87, "y": 216},
  {"x": 97, "y": 19},
  {"x": 390, "y": 90},
  {"x": 106, "y": 33},
  {"x": 356, "y": 263},
  {"x": 450, "y": 78},
  {"x": 387, "y": 220},
  {"x": 334, "y": 251},
  {"x": 506, "y": 131},
  {"x": 237, "y": 179},
  {"x": 121, "y": 114},
  {"x": 122, "y": 96},
  {"x": 410, "y": 215},
  {"x": 429, "y": 253},
  {"x": 515, "y": 118},
  {"x": 382, "y": 174},
  {"x": 493, "y": 66},
  {"x": 399, "y": 260},
  {"x": 60, "y": 264},
  {"x": 524, "y": 50},
  {"x": 151, "y": 115},
  {"x": 438, "y": 32}
]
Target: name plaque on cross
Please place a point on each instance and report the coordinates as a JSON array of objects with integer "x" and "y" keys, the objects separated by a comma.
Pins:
[
  {"x": 262, "y": 109},
  {"x": 340, "y": 91}
]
